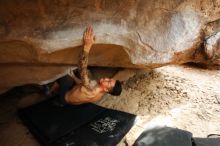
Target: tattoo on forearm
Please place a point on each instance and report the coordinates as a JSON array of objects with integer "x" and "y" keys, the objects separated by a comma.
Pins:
[{"x": 83, "y": 63}]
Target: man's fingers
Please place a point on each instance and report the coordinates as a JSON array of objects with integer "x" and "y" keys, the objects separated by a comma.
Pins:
[
  {"x": 88, "y": 34},
  {"x": 89, "y": 30},
  {"x": 84, "y": 35}
]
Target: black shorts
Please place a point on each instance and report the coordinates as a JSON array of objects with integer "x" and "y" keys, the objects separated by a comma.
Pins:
[{"x": 66, "y": 83}]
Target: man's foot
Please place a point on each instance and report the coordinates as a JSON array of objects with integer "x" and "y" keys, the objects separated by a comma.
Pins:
[{"x": 50, "y": 89}]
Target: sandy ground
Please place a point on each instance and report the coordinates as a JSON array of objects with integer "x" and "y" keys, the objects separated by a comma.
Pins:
[{"x": 178, "y": 96}]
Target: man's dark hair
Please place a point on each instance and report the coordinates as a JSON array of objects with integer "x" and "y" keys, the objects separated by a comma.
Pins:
[{"x": 116, "y": 91}]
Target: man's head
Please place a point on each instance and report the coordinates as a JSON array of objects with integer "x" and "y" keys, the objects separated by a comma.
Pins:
[{"x": 111, "y": 86}]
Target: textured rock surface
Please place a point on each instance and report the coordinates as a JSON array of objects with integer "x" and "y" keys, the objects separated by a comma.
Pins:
[
  {"x": 212, "y": 46},
  {"x": 45, "y": 35}
]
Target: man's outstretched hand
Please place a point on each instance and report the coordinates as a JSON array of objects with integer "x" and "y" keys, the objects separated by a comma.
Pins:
[{"x": 88, "y": 38}]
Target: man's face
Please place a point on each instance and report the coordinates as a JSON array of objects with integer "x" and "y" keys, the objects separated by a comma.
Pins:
[{"x": 107, "y": 84}]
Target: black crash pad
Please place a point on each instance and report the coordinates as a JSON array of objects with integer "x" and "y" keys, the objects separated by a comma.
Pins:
[
  {"x": 76, "y": 125},
  {"x": 168, "y": 136},
  {"x": 164, "y": 136}
]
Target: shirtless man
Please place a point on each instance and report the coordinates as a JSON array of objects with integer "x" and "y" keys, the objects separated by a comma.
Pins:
[{"x": 86, "y": 90}]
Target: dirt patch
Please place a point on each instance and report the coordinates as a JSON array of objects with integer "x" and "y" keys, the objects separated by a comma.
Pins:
[{"x": 176, "y": 96}]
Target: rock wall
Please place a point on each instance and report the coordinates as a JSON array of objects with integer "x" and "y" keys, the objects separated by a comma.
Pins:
[{"x": 40, "y": 40}]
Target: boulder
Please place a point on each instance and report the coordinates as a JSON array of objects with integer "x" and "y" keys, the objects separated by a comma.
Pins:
[{"x": 40, "y": 40}]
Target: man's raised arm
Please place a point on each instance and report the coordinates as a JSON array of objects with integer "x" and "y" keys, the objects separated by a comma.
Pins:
[{"x": 88, "y": 40}]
